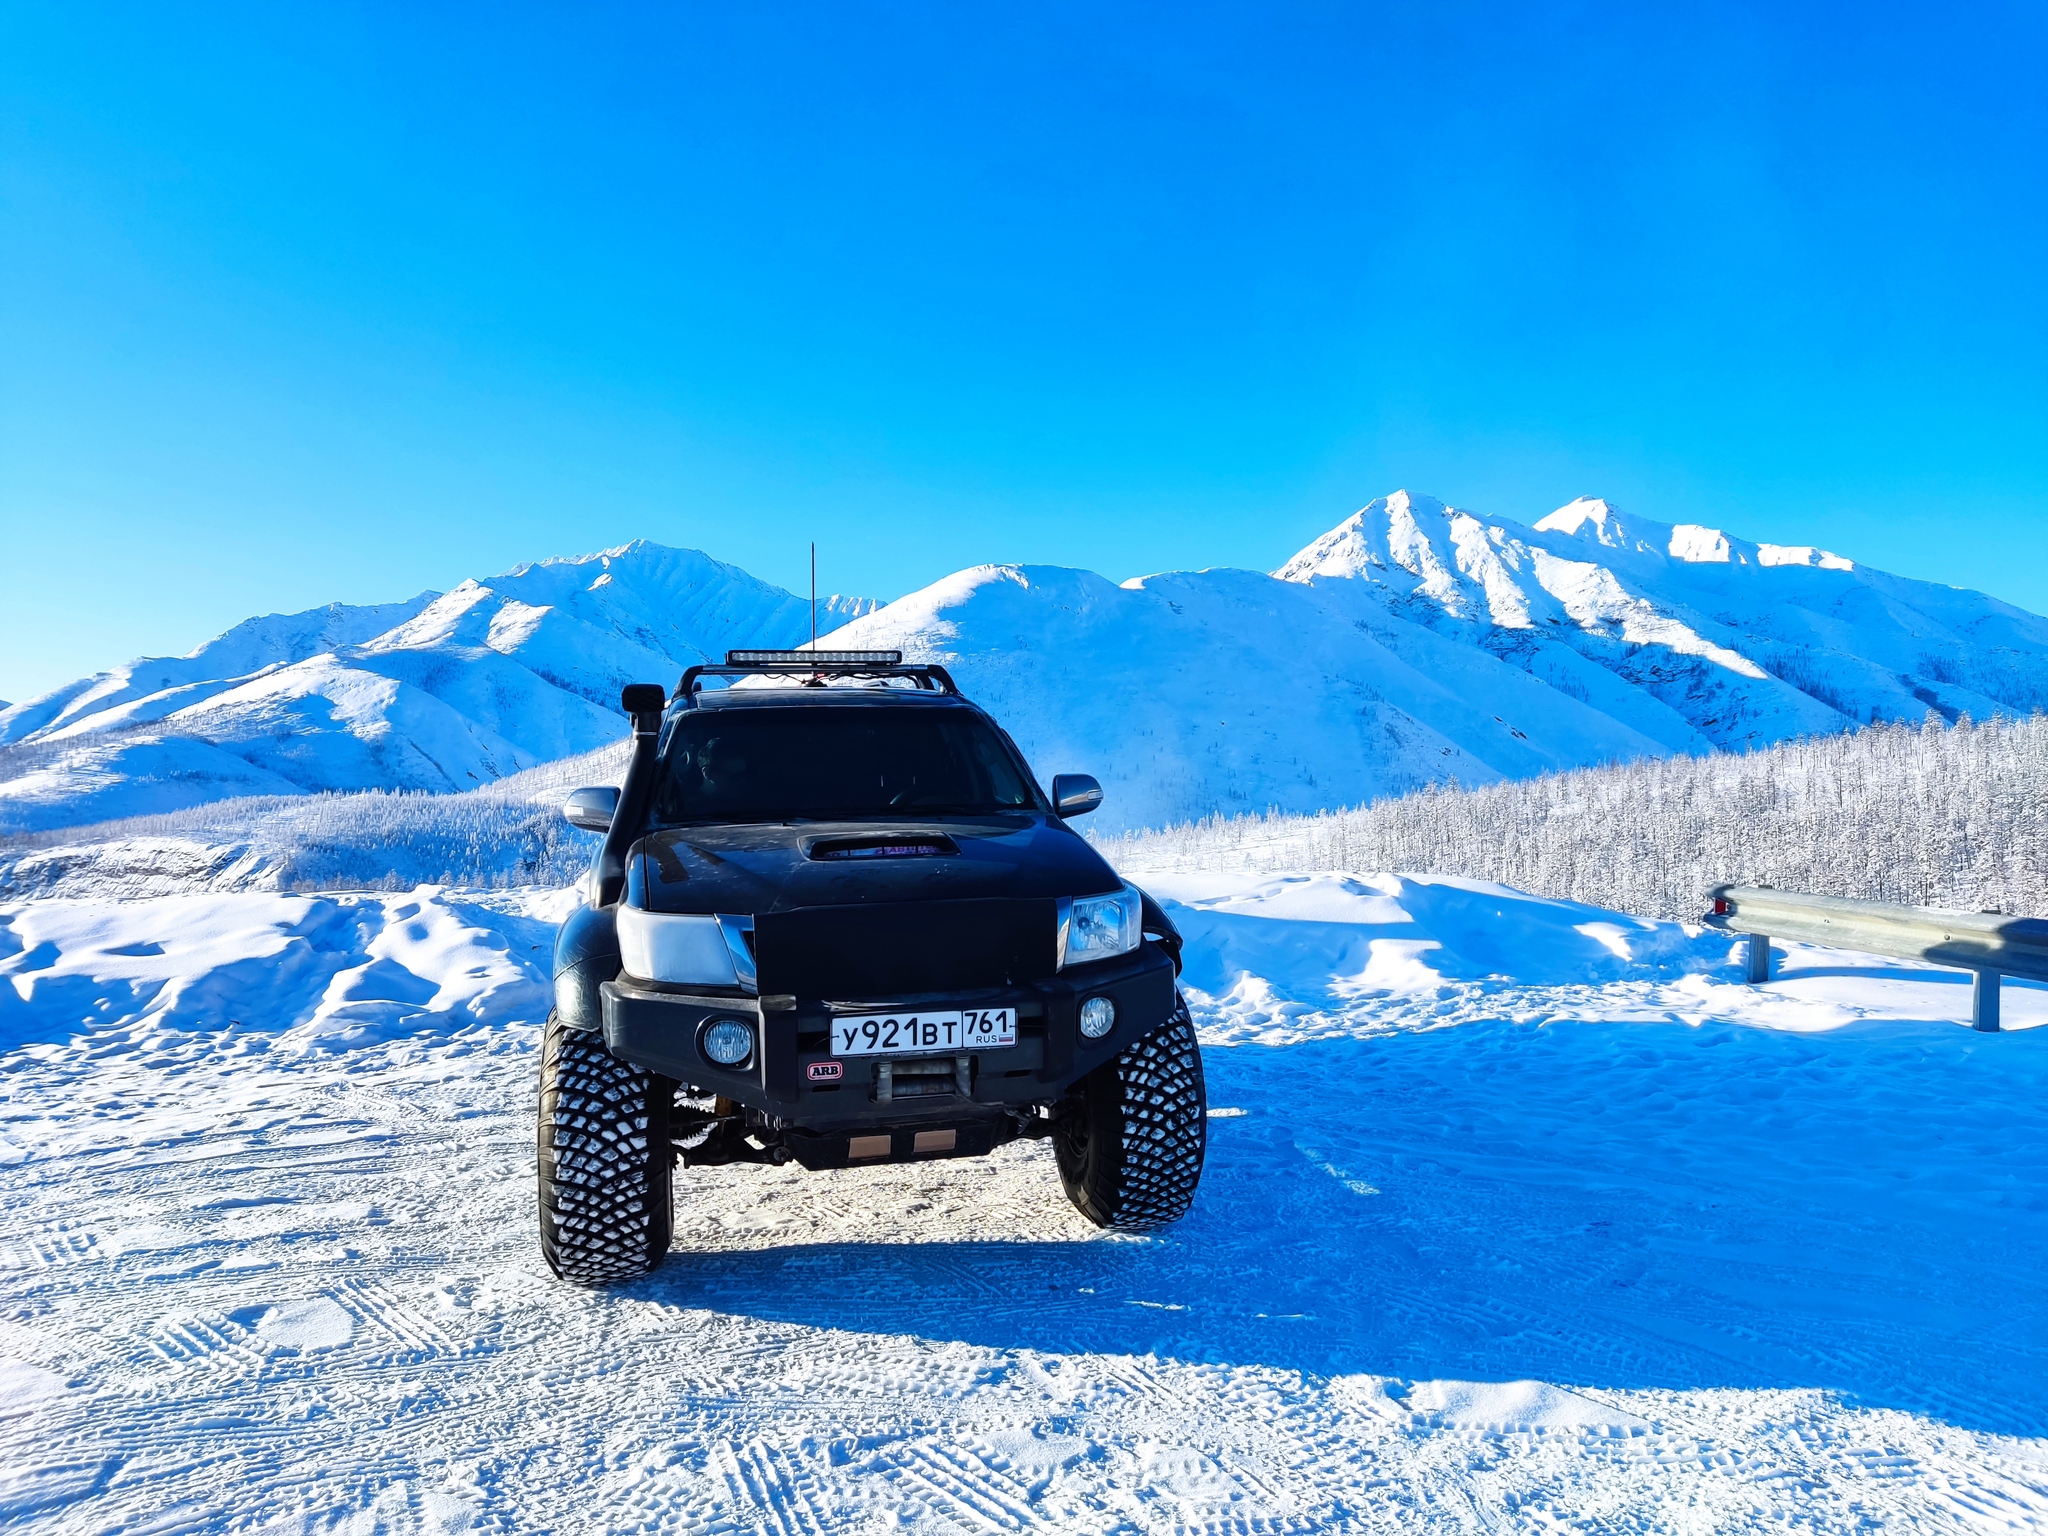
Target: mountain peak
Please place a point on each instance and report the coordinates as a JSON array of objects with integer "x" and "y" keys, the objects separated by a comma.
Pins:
[
  {"x": 438, "y": 692},
  {"x": 1362, "y": 543},
  {"x": 1579, "y": 514}
]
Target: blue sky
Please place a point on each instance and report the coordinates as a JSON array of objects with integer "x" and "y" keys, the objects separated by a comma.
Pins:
[{"x": 308, "y": 303}]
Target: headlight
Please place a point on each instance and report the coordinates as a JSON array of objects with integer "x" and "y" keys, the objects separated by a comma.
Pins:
[
  {"x": 685, "y": 948},
  {"x": 1098, "y": 1015},
  {"x": 1099, "y": 927},
  {"x": 729, "y": 1042}
]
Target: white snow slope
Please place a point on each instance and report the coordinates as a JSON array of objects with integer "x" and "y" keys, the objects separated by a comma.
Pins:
[
  {"x": 1411, "y": 644},
  {"x": 1416, "y": 642},
  {"x": 1517, "y": 1215},
  {"x": 440, "y": 693}
]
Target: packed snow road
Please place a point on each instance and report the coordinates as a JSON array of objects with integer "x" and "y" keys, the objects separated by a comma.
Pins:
[{"x": 1517, "y": 1215}]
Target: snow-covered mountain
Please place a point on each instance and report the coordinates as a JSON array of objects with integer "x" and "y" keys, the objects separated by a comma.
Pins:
[
  {"x": 1411, "y": 644},
  {"x": 442, "y": 692},
  {"x": 1743, "y": 643},
  {"x": 1415, "y": 642}
]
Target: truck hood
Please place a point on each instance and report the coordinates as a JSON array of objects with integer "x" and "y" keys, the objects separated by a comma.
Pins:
[{"x": 780, "y": 866}]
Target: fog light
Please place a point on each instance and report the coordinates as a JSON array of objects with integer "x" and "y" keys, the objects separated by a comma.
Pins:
[
  {"x": 1097, "y": 1015},
  {"x": 728, "y": 1042}
]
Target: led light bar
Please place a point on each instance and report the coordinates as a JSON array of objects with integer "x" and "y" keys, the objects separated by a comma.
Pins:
[{"x": 819, "y": 659}]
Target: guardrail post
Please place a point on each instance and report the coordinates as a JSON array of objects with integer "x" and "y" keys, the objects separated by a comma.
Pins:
[
  {"x": 1760, "y": 960},
  {"x": 1989, "y": 945},
  {"x": 1984, "y": 1000}
]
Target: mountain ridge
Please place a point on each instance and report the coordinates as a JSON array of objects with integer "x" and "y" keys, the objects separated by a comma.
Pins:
[
  {"x": 1416, "y": 642},
  {"x": 440, "y": 692},
  {"x": 1413, "y": 642}
]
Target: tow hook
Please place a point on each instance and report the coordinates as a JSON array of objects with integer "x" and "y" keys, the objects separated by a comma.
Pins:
[{"x": 727, "y": 1143}]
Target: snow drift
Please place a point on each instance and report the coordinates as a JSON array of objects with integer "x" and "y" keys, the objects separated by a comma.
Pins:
[{"x": 1510, "y": 1206}]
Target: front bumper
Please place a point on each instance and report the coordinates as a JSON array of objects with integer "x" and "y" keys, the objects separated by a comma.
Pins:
[{"x": 658, "y": 1030}]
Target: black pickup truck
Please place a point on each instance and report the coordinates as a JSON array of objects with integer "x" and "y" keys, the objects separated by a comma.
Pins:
[{"x": 836, "y": 920}]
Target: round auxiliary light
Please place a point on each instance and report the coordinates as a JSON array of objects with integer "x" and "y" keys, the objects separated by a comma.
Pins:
[
  {"x": 728, "y": 1042},
  {"x": 1098, "y": 1014}
]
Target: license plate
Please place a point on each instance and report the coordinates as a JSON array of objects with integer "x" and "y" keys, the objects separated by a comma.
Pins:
[{"x": 950, "y": 1029}]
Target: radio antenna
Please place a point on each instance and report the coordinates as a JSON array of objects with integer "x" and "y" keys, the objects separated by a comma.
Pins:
[{"x": 814, "y": 594}]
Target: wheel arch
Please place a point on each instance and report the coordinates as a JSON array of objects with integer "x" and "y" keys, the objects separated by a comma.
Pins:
[{"x": 586, "y": 957}]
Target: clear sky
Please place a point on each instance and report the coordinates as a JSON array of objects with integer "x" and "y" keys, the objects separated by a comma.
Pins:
[{"x": 302, "y": 303}]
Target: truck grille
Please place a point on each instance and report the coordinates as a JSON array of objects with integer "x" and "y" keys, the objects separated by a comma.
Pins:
[{"x": 903, "y": 949}]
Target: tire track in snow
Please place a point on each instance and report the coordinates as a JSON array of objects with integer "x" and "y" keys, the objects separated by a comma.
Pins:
[{"x": 954, "y": 1343}]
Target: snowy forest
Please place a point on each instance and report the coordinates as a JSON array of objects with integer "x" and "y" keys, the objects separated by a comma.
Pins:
[
  {"x": 1939, "y": 816},
  {"x": 1945, "y": 816}
]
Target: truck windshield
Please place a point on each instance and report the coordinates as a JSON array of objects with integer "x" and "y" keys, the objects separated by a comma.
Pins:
[{"x": 838, "y": 764}]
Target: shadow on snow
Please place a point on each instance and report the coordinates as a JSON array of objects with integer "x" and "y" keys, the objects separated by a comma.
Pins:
[{"x": 1604, "y": 1205}]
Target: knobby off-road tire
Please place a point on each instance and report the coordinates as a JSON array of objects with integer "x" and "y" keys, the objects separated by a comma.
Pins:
[
  {"x": 605, "y": 1212},
  {"x": 1132, "y": 1136}
]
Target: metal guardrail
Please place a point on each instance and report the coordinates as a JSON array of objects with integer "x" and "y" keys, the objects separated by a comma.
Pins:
[{"x": 1989, "y": 945}]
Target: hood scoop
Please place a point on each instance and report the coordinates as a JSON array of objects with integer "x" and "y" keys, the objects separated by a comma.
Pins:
[{"x": 901, "y": 845}]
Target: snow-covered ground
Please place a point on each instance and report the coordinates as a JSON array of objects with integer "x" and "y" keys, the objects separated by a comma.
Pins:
[
  {"x": 1517, "y": 1215},
  {"x": 507, "y": 833}
]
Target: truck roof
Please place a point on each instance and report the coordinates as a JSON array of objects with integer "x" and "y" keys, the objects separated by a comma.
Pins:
[
  {"x": 801, "y": 675},
  {"x": 841, "y": 698}
]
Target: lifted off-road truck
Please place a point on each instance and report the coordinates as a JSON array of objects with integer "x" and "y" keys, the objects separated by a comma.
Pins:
[{"x": 835, "y": 920}]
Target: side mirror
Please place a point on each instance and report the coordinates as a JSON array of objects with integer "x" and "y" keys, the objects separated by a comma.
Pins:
[
  {"x": 592, "y": 809},
  {"x": 643, "y": 699},
  {"x": 1075, "y": 794}
]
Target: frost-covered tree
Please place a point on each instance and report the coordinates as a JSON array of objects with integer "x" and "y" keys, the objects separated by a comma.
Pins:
[
  {"x": 1947, "y": 816},
  {"x": 1953, "y": 816}
]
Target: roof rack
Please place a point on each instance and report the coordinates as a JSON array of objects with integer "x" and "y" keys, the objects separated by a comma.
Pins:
[{"x": 815, "y": 667}]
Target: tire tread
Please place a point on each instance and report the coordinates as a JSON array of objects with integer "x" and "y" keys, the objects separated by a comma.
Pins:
[
  {"x": 1132, "y": 1157},
  {"x": 604, "y": 1163}
]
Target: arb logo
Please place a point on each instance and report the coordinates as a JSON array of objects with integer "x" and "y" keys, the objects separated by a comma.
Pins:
[{"x": 825, "y": 1071}]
